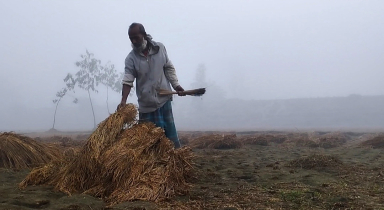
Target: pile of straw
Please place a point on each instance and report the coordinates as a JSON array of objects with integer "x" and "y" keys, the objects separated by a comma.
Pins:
[
  {"x": 332, "y": 140},
  {"x": 18, "y": 152},
  {"x": 216, "y": 141},
  {"x": 263, "y": 139},
  {"x": 313, "y": 140},
  {"x": 305, "y": 143},
  {"x": 376, "y": 142},
  {"x": 302, "y": 140},
  {"x": 185, "y": 138},
  {"x": 117, "y": 164},
  {"x": 316, "y": 161},
  {"x": 62, "y": 142}
]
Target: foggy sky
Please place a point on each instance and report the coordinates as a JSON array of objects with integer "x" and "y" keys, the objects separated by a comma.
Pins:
[{"x": 252, "y": 49}]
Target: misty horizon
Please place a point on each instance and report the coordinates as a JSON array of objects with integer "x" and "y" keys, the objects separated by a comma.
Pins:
[{"x": 251, "y": 50}]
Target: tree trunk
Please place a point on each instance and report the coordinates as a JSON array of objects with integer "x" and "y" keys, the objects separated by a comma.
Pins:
[
  {"x": 93, "y": 112},
  {"x": 107, "y": 102},
  {"x": 54, "y": 116}
]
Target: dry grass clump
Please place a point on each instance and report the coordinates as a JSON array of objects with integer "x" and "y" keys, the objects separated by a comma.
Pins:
[
  {"x": 71, "y": 152},
  {"x": 185, "y": 138},
  {"x": 376, "y": 142},
  {"x": 311, "y": 140},
  {"x": 255, "y": 140},
  {"x": 82, "y": 136},
  {"x": 263, "y": 139},
  {"x": 68, "y": 147},
  {"x": 228, "y": 142},
  {"x": 216, "y": 141},
  {"x": 61, "y": 142},
  {"x": 18, "y": 152},
  {"x": 301, "y": 140},
  {"x": 306, "y": 143},
  {"x": 331, "y": 140},
  {"x": 203, "y": 142},
  {"x": 117, "y": 164},
  {"x": 316, "y": 161},
  {"x": 278, "y": 139},
  {"x": 68, "y": 141},
  {"x": 45, "y": 174}
]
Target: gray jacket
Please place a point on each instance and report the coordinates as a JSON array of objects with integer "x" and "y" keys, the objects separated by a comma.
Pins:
[{"x": 153, "y": 72}]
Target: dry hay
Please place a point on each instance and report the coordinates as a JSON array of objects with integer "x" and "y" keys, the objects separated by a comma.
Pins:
[
  {"x": 306, "y": 143},
  {"x": 301, "y": 140},
  {"x": 82, "y": 136},
  {"x": 255, "y": 140},
  {"x": 313, "y": 140},
  {"x": 278, "y": 139},
  {"x": 204, "y": 141},
  {"x": 18, "y": 152},
  {"x": 62, "y": 141},
  {"x": 71, "y": 153},
  {"x": 68, "y": 147},
  {"x": 263, "y": 139},
  {"x": 376, "y": 142},
  {"x": 216, "y": 141},
  {"x": 331, "y": 140},
  {"x": 316, "y": 161},
  {"x": 185, "y": 138},
  {"x": 117, "y": 164}
]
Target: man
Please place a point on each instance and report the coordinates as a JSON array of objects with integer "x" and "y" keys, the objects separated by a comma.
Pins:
[{"x": 149, "y": 64}]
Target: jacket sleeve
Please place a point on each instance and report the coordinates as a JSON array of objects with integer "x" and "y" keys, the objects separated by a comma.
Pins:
[
  {"x": 130, "y": 73},
  {"x": 170, "y": 71}
]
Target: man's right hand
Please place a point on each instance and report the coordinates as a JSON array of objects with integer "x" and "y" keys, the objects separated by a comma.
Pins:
[
  {"x": 125, "y": 93},
  {"x": 121, "y": 105},
  {"x": 180, "y": 91}
]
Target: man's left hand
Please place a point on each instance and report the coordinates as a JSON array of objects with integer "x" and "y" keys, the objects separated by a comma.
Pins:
[{"x": 180, "y": 91}]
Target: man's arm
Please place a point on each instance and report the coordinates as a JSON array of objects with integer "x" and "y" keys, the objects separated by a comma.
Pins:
[
  {"x": 125, "y": 93},
  {"x": 128, "y": 79},
  {"x": 170, "y": 73}
]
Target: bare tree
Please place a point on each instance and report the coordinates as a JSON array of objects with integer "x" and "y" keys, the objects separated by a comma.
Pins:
[
  {"x": 59, "y": 95},
  {"x": 111, "y": 79},
  {"x": 90, "y": 75}
]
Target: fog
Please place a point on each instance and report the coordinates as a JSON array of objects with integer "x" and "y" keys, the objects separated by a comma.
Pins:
[{"x": 268, "y": 64}]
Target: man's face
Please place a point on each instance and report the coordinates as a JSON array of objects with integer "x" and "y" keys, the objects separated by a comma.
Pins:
[{"x": 135, "y": 36}]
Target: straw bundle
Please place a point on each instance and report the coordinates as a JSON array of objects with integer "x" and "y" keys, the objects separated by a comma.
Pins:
[
  {"x": 216, "y": 141},
  {"x": 20, "y": 152},
  {"x": 119, "y": 164},
  {"x": 44, "y": 174},
  {"x": 153, "y": 170},
  {"x": 107, "y": 131}
]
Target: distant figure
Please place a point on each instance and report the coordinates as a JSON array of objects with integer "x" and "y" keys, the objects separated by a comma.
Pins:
[{"x": 149, "y": 64}]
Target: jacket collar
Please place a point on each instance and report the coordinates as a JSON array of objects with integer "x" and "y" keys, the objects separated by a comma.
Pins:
[{"x": 154, "y": 47}]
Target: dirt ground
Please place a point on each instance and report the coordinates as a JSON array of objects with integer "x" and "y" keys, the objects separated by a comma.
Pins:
[{"x": 271, "y": 170}]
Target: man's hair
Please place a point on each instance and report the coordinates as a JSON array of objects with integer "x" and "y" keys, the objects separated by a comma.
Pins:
[{"x": 141, "y": 28}]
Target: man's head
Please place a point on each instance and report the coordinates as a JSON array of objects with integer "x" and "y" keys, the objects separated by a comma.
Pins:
[{"x": 137, "y": 34}]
